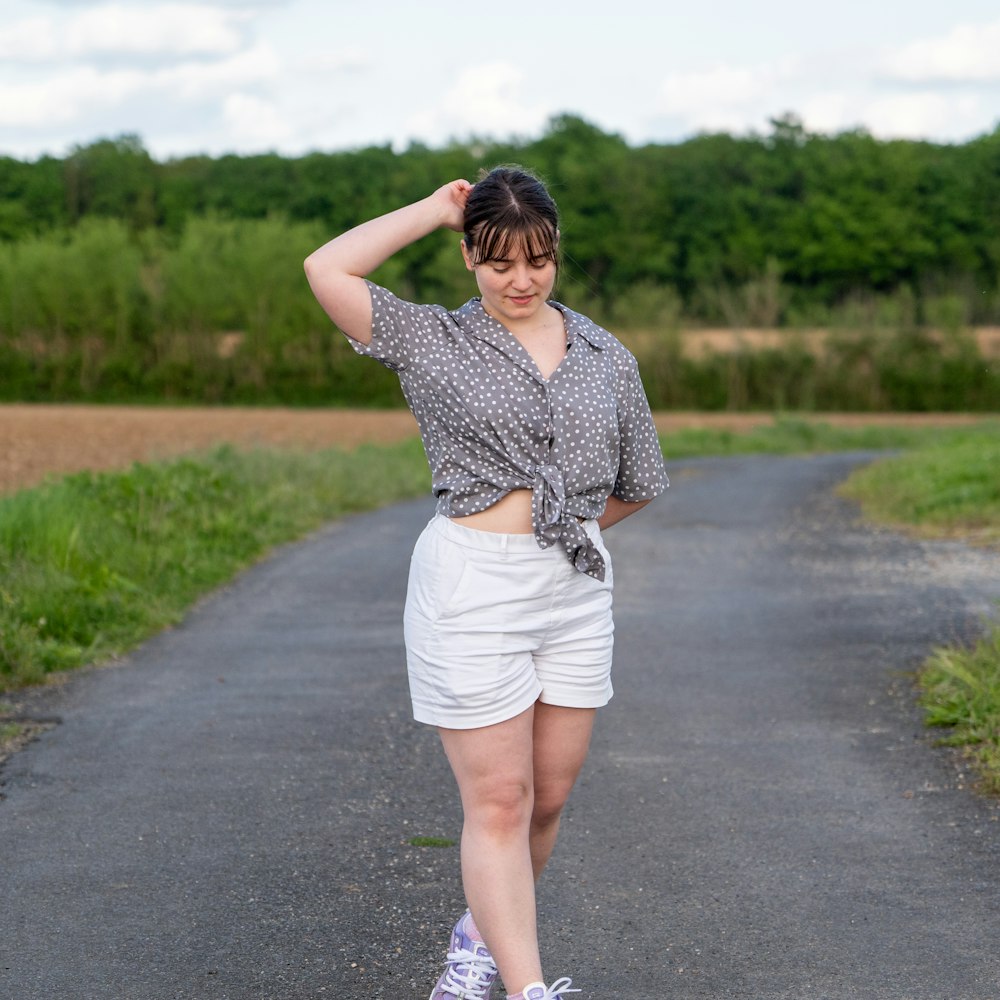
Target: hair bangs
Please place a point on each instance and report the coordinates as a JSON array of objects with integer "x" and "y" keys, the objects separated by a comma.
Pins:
[{"x": 513, "y": 234}]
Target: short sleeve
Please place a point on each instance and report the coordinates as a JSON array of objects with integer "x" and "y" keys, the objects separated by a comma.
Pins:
[
  {"x": 641, "y": 472},
  {"x": 398, "y": 328}
]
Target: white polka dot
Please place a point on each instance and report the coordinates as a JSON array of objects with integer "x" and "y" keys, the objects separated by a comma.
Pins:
[{"x": 490, "y": 422}]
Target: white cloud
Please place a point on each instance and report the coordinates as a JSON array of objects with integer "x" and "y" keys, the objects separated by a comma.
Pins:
[
  {"x": 65, "y": 97},
  {"x": 131, "y": 31},
  {"x": 485, "y": 100},
  {"x": 968, "y": 53},
  {"x": 30, "y": 39},
  {"x": 349, "y": 60},
  {"x": 923, "y": 115},
  {"x": 198, "y": 80},
  {"x": 301, "y": 74},
  {"x": 255, "y": 122},
  {"x": 81, "y": 91},
  {"x": 727, "y": 97},
  {"x": 722, "y": 86},
  {"x": 830, "y": 111},
  {"x": 181, "y": 29},
  {"x": 738, "y": 98}
]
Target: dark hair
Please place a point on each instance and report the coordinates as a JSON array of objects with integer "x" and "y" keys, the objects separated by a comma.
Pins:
[{"x": 510, "y": 211}]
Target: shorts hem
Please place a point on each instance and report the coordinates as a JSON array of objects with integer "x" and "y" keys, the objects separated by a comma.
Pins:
[
  {"x": 438, "y": 719},
  {"x": 435, "y": 717},
  {"x": 569, "y": 701}
]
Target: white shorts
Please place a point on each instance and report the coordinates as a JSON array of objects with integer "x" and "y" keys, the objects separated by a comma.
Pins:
[{"x": 494, "y": 623}]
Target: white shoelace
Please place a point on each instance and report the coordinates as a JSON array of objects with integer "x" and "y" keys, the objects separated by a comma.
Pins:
[
  {"x": 558, "y": 988},
  {"x": 475, "y": 982}
]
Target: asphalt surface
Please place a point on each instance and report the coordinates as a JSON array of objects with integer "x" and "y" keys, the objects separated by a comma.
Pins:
[{"x": 228, "y": 813}]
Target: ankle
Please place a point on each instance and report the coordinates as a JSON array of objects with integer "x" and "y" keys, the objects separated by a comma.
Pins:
[
  {"x": 521, "y": 995},
  {"x": 539, "y": 991},
  {"x": 471, "y": 929}
]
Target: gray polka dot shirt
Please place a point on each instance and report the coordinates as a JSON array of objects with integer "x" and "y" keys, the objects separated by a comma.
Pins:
[{"x": 490, "y": 423}]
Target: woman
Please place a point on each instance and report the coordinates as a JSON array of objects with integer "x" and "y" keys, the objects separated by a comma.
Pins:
[{"x": 539, "y": 436}]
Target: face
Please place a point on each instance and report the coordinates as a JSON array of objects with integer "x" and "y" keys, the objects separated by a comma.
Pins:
[{"x": 513, "y": 290}]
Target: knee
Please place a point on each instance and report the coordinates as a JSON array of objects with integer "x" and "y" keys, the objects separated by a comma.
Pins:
[
  {"x": 502, "y": 806},
  {"x": 549, "y": 802}
]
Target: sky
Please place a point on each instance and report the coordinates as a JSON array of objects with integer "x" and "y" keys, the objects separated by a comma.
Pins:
[{"x": 294, "y": 76}]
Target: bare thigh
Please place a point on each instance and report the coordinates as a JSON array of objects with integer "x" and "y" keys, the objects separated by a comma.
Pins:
[{"x": 561, "y": 739}]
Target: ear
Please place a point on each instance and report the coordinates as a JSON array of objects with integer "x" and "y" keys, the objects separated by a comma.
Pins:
[{"x": 469, "y": 266}]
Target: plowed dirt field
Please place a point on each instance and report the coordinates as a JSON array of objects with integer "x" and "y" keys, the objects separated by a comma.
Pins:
[{"x": 37, "y": 439}]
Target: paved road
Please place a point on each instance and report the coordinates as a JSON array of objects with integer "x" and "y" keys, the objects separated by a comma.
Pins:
[{"x": 227, "y": 815}]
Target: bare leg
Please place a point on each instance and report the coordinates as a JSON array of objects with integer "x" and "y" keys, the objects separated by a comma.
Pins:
[
  {"x": 514, "y": 779},
  {"x": 493, "y": 767},
  {"x": 561, "y": 741}
]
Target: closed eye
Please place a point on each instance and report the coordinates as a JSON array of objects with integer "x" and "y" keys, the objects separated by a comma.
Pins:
[{"x": 536, "y": 263}]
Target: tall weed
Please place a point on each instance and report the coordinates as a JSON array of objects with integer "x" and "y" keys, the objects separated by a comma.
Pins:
[
  {"x": 220, "y": 312},
  {"x": 950, "y": 488},
  {"x": 93, "y": 563},
  {"x": 961, "y": 692}
]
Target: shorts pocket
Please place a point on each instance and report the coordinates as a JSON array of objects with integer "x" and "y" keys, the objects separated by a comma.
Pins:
[
  {"x": 477, "y": 588},
  {"x": 436, "y": 572}
]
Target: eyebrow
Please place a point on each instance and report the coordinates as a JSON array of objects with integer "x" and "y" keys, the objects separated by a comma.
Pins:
[{"x": 510, "y": 260}]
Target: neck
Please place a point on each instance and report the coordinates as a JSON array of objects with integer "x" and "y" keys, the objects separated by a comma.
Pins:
[{"x": 544, "y": 319}]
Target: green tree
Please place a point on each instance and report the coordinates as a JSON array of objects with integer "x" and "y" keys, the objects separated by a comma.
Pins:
[{"x": 112, "y": 177}]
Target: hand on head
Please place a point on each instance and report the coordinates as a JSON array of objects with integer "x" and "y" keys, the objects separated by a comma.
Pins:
[{"x": 452, "y": 198}]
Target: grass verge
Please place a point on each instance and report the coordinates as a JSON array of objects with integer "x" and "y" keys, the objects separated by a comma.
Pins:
[
  {"x": 790, "y": 435},
  {"x": 961, "y": 691},
  {"x": 950, "y": 489},
  {"x": 947, "y": 488},
  {"x": 92, "y": 564}
]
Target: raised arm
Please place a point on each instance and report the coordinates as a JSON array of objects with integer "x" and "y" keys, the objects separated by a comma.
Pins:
[{"x": 336, "y": 271}]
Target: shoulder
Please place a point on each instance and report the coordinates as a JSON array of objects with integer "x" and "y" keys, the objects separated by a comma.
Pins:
[
  {"x": 599, "y": 337},
  {"x": 387, "y": 302},
  {"x": 403, "y": 331},
  {"x": 408, "y": 319}
]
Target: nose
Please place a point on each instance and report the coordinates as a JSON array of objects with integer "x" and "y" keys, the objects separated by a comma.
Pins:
[{"x": 521, "y": 276}]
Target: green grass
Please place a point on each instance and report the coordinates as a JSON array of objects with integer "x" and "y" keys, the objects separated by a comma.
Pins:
[
  {"x": 951, "y": 489},
  {"x": 961, "y": 691},
  {"x": 432, "y": 842},
  {"x": 92, "y": 564},
  {"x": 948, "y": 488},
  {"x": 10, "y": 731},
  {"x": 792, "y": 435}
]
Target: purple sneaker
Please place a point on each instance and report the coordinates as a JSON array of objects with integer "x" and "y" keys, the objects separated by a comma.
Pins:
[
  {"x": 539, "y": 991},
  {"x": 471, "y": 971}
]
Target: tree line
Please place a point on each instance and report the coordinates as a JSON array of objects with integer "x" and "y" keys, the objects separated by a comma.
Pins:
[
  {"x": 832, "y": 215},
  {"x": 124, "y": 277}
]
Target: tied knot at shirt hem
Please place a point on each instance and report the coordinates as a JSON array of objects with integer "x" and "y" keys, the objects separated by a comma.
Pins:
[{"x": 552, "y": 523}]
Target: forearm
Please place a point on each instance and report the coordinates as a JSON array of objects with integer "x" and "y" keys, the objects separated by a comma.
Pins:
[
  {"x": 361, "y": 250},
  {"x": 617, "y": 510},
  {"x": 336, "y": 271}
]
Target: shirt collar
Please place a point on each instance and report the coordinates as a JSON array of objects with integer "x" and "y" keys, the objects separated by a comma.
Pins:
[{"x": 578, "y": 324}]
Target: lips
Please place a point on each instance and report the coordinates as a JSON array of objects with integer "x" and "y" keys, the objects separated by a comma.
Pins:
[{"x": 520, "y": 300}]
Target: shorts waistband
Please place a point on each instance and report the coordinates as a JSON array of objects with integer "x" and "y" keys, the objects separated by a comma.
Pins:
[
  {"x": 488, "y": 541},
  {"x": 485, "y": 541}
]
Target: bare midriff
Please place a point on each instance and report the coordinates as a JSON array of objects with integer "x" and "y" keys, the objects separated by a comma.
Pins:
[{"x": 511, "y": 515}]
